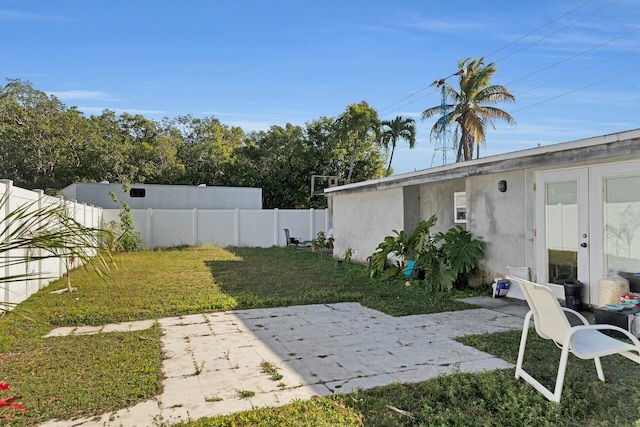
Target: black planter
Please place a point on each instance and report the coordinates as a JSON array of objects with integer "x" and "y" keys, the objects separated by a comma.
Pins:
[
  {"x": 418, "y": 273},
  {"x": 573, "y": 295}
]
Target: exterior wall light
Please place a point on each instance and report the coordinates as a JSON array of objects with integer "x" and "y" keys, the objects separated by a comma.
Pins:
[{"x": 502, "y": 186}]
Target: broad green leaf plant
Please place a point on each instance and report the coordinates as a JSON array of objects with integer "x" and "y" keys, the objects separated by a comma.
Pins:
[{"x": 448, "y": 259}]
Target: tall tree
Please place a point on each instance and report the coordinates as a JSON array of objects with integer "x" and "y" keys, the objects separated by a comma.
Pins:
[
  {"x": 34, "y": 138},
  {"x": 398, "y": 128},
  {"x": 277, "y": 161},
  {"x": 472, "y": 105},
  {"x": 208, "y": 149},
  {"x": 359, "y": 125}
]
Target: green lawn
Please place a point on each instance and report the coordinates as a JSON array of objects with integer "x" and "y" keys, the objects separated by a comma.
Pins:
[{"x": 79, "y": 376}]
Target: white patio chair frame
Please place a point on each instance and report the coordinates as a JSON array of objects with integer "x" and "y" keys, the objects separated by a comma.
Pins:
[{"x": 584, "y": 341}]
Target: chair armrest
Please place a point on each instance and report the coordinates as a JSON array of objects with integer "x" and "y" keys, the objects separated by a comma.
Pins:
[
  {"x": 575, "y": 313},
  {"x": 603, "y": 327}
]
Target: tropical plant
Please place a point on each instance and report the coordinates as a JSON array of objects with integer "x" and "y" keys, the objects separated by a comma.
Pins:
[
  {"x": 471, "y": 108},
  {"x": 448, "y": 259},
  {"x": 462, "y": 251},
  {"x": 398, "y": 128},
  {"x": 402, "y": 247},
  {"x": 31, "y": 233},
  {"x": 127, "y": 238},
  {"x": 348, "y": 254},
  {"x": 319, "y": 241}
]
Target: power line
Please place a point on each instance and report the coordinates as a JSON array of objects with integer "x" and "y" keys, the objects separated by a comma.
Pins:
[
  {"x": 538, "y": 29},
  {"x": 405, "y": 98},
  {"x": 558, "y": 31},
  {"x": 504, "y": 47},
  {"x": 578, "y": 71},
  {"x": 578, "y": 89},
  {"x": 573, "y": 57}
]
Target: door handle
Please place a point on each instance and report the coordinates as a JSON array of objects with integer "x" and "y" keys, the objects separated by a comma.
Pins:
[{"x": 584, "y": 245}]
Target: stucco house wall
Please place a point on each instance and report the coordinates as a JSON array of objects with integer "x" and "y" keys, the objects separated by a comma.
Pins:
[
  {"x": 437, "y": 199},
  {"x": 364, "y": 219},
  {"x": 506, "y": 221},
  {"x": 503, "y": 220}
]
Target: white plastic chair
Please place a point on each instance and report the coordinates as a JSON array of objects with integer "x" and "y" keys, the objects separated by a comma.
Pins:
[{"x": 585, "y": 341}]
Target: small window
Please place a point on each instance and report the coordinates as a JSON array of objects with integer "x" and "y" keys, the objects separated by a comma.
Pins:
[
  {"x": 137, "y": 192},
  {"x": 460, "y": 207}
]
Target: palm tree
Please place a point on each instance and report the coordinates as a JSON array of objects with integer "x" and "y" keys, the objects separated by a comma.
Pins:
[
  {"x": 471, "y": 108},
  {"x": 398, "y": 128}
]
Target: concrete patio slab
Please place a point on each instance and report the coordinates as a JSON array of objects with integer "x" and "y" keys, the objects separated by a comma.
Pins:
[{"x": 222, "y": 363}]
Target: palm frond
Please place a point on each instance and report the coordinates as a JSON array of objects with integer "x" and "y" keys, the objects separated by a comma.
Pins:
[{"x": 31, "y": 233}]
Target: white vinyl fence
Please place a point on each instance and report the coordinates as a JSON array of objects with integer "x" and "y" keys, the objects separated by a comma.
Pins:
[
  {"x": 237, "y": 227},
  {"x": 158, "y": 228},
  {"x": 41, "y": 271}
]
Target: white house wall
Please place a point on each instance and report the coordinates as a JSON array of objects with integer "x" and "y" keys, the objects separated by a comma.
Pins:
[
  {"x": 167, "y": 196},
  {"x": 362, "y": 220},
  {"x": 504, "y": 220},
  {"x": 437, "y": 199}
]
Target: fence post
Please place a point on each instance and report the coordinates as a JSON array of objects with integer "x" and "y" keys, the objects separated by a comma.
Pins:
[
  {"x": 276, "y": 227},
  {"x": 40, "y": 281},
  {"x": 7, "y": 210},
  {"x": 312, "y": 225}
]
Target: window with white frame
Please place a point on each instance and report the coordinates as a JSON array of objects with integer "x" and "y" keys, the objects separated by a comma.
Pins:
[{"x": 460, "y": 207}]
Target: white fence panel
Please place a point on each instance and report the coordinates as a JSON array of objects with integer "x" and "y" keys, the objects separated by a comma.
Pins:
[
  {"x": 256, "y": 228},
  {"x": 171, "y": 227},
  {"x": 217, "y": 227},
  {"x": 43, "y": 271},
  {"x": 239, "y": 227}
]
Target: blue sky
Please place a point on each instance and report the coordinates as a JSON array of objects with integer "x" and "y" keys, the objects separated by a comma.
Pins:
[{"x": 572, "y": 64}]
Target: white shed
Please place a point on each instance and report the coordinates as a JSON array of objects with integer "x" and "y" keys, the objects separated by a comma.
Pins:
[{"x": 156, "y": 196}]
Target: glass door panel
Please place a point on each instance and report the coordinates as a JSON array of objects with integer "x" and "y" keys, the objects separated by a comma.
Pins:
[
  {"x": 622, "y": 224},
  {"x": 561, "y": 227}
]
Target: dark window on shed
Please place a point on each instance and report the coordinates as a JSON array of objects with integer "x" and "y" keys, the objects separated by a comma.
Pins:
[{"x": 137, "y": 192}]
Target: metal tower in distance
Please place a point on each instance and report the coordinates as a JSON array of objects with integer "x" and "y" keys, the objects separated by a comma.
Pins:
[{"x": 445, "y": 145}]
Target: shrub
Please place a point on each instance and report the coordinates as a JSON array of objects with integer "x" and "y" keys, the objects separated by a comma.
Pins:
[{"x": 447, "y": 259}]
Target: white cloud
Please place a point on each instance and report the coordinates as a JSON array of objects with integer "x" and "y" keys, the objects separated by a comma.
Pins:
[
  {"x": 99, "y": 110},
  {"x": 81, "y": 94},
  {"x": 12, "y": 15}
]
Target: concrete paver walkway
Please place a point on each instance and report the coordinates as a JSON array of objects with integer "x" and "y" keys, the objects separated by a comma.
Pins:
[{"x": 221, "y": 363}]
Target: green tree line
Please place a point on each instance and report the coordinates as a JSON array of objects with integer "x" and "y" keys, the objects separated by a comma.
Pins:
[{"x": 45, "y": 144}]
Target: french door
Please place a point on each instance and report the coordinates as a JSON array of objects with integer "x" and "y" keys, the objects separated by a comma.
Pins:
[
  {"x": 587, "y": 225},
  {"x": 562, "y": 228}
]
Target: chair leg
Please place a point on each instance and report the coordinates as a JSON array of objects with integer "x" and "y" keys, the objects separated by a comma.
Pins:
[
  {"x": 521, "y": 373},
  {"x": 562, "y": 369},
  {"x": 523, "y": 343},
  {"x": 599, "y": 368}
]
